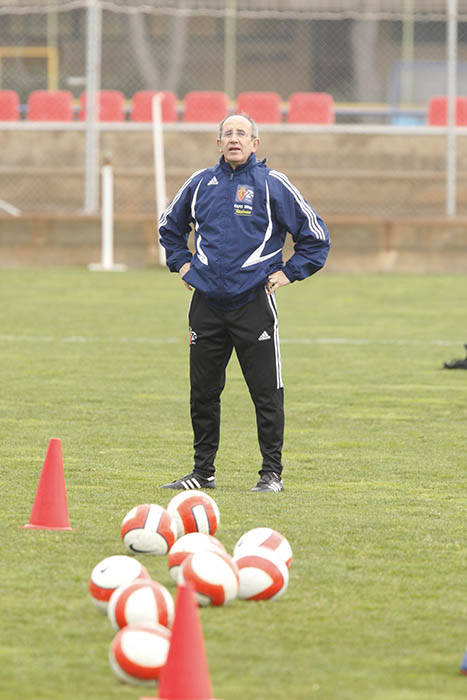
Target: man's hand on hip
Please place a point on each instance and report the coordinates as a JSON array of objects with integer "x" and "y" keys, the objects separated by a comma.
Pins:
[
  {"x": 182, "y": 272},
  {"x": 276, "y": 280}
]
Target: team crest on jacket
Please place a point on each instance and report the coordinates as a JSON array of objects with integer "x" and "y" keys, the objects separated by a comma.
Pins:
[
  {"x": 193, "y": 336},
  {"x": 244, "y": 200}
]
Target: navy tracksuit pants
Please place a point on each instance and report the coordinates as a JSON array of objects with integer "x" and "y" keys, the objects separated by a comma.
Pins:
[{"x": 253, "y": 331}]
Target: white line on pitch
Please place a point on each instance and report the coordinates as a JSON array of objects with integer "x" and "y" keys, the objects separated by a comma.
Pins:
[
  {"x": 84, "y": 339},
  {"x": 366, "y": 341},
  {"x": 171, "y": 340}
]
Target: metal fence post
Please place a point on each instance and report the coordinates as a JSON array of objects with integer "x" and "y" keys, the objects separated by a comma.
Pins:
[
  {"x": 93, "y": 75},
  {"x": 230, "y": 48},
  {"x": 451, "y": 165}
]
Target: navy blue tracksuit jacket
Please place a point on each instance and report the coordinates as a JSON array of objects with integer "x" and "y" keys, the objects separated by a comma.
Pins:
[{"x": 241, "y": 217}]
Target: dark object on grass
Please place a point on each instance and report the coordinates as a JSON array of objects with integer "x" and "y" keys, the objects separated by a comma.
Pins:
[{"x": 457, "y": 364}]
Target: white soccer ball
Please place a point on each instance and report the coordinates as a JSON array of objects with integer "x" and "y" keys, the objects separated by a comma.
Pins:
[
  {"x": 213, "y": 575},
  {"x": 149, "y": 529},
  {"x": 109, "y": 574},
  {"x": 188, "y": 544},
  {"x": 269, "y": 538},
  {"x": 194, "y": 511},
  {"x": 141, "y": 601},
  {"x": 263, "y": 574},
  {"x": 138, "y": 652}
]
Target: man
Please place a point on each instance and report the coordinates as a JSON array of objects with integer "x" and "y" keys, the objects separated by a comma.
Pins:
[{"x": 241, "y": 212}]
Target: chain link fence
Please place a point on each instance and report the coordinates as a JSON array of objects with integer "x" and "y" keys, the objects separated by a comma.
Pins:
[{"x": 381, "y": 61}]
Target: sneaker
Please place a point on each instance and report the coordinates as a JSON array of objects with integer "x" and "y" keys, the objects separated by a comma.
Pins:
[
  {"x": 269, "y": 482},
  {"x": 457, "y": 364},
  {"x": 191, "y": 481}
]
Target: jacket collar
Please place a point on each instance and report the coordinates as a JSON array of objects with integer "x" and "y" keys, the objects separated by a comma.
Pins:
[{"x": 252, "y": 160}]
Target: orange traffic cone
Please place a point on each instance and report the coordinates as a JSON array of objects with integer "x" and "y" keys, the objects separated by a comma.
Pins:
[
  {"x": 185, "y": 675},
  {"x": 50, "y": 509}
]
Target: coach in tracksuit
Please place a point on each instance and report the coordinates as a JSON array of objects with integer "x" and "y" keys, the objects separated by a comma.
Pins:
[{"x": 241, "y": 212}]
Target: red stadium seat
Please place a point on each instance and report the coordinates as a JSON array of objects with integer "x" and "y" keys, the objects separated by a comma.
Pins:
[
  {"x": 50, "y": 105},
  {"x": 263, "y": 107},
  {"x": 142, "y": 106},
  {"x": 9, "y": 105},
  {"x": 205, "y": 106},
  {"x": 111, "y": 106},
  {"x": 438, "y": 111},
  {"x": 311, "y": 108}
]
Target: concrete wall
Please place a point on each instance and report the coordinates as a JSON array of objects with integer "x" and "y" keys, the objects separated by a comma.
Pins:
[
  {"x": 366, "y": 244},
  {"x": 382, "y": 195},
  {"x": 339, "y": 173}
]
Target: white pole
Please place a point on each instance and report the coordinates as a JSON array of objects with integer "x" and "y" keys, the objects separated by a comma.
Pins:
[
  {"x": 159, "y": 164},
  {"x": 107, "y": 223},
  {"x": 451, "y": 165},
  {"x": 93, "y": 67},
  {"x": 407, "y": 53},
  {"x": 9, "y": 208},
  {"x": 107, "y": 216},
  {"x": 230, "y": 47}
]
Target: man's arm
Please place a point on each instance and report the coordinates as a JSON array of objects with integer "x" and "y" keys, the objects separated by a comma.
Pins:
[
  {"x": 308, "y": 230},
  {"x": 174, "y": 226}
]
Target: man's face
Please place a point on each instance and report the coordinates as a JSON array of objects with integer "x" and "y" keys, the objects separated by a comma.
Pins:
[{"x": 236, "y": 142}]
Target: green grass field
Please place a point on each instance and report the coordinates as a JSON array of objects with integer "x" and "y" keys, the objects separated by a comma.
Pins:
[{"x": 375, "y": 477}]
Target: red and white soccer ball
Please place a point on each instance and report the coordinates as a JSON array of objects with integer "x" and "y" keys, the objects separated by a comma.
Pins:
[
  {"x": 109, "y": 574},
  {"x": 213, "y": 575},
  {"x": 141, "y": 601},
  {"x": 194, "y": 511},
  {"x": 269, "y": 538},
  {"x": 138, "y": 652},
  {"x": 149, "y": 529},
  {"x": 188, "y": 544},
  {"x": 263, "y": 574}
]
